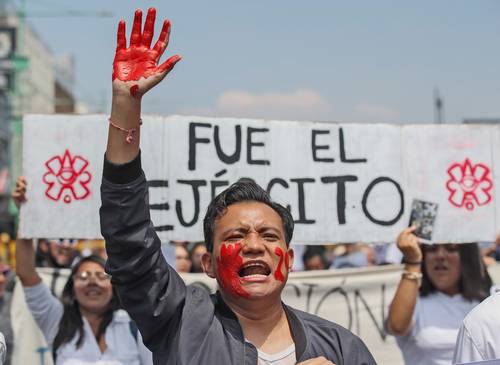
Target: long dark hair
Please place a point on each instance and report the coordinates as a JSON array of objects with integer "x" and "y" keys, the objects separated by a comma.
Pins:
[
  {"x": 71, "y": 322},
  {"x": 475, "y": 282}
]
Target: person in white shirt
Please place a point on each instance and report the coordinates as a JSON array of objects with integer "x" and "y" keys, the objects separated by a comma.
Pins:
[
  {"x": 425, "y": 318},
  {"x": 88, "y": 327},
  {"x": 479, "y": 335}
]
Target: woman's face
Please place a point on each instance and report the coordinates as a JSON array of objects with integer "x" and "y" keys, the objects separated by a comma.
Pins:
[
  {"x": 92, "y": 287},
  {"x": 442, "y": 263},
  {"x": 182, "y": 260},
  {"x": 314, "y": 263}
]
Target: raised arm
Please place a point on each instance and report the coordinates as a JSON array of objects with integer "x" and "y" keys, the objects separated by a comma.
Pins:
[
  {"x": 44, "y": 307},
  {"x": 151, "y": 291},
  {"x": 135, "y": 72},
  {"x": 25, "y": 252},
  {"x": 399, "y": 321}
]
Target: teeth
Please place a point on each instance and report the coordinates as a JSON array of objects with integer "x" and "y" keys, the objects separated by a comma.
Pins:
[
  {"x": 254, "y": 264},
  {"x": 255, "y": 275}
]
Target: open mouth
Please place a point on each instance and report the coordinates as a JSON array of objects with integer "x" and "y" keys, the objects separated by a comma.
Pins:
[
  {"x": 253, "y": 268},
  {"x": 93, "y": 292},
  {"x": 440, "y": 268}
]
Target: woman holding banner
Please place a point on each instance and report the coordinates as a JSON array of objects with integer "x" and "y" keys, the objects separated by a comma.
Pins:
[
  {"x": 88, "y": 326},
  {"x": 440, "y": 284}
]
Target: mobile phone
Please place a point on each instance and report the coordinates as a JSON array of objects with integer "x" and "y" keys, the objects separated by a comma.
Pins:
[{"x": 423, "y": 216}]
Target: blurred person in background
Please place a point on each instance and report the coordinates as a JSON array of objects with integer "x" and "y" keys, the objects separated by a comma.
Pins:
[
  {"x": 355, "y": 255},
  {"x": 88, "y": 326},
  {"x": 6, "y": 289},
  {"x": 491, "y": 252},
  {"x": 440, "y": 284},
  {"x": 56, "y": 253},
  {"x": 314, "y": 258},
  {"x": 197, "y": 251},
  {"x": 182, "y": 258}
]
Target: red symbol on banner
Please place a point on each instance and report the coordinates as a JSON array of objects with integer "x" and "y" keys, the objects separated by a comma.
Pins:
[
  {"x": 67, "y": 177},
  {"x": 469, "y": 185}
]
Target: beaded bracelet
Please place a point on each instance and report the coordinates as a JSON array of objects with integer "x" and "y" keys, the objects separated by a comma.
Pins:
[
  {"x": 414, "y": 276},
  {"x": 130, "y": 132}
]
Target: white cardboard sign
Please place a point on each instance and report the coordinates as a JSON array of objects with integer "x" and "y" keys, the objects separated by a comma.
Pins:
[{"x": 342, "y": 182}]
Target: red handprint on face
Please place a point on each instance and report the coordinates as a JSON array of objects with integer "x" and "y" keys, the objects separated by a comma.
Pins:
[
  {"x": 469, "y": 185},
  {"x": 228, "y": 264},
  {"x": 139, "y": 61},
  {"x": 67, "y": 177}
]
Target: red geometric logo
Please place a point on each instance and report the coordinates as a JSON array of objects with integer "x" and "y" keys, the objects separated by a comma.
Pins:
[
  {"x": 469, "y": 185},
  {"x": 67, "y": 178}
]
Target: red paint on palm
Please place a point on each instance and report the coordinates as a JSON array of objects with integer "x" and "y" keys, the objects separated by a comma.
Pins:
[
  {"x": 278, "y": 274},
  {"x": 139, "y": 60},
  {"x": 229, "y": 263}
]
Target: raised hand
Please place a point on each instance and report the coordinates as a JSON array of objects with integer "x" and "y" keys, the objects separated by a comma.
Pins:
[
  {"x": 19, "y": 193},
  {"x": 409, "y": 245},
  {"x": 136, "y": 69}
]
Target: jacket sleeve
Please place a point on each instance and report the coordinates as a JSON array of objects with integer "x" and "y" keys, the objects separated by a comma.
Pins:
[{"x": 150, "y": 290}]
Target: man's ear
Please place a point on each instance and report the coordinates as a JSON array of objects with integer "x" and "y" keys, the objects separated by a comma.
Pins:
[
  {"x": 291, "y": 255},
  {"x": 207, "y": 264}
]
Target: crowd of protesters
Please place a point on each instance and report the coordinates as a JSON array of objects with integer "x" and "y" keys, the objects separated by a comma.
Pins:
[{"x": 440, "y": 285}]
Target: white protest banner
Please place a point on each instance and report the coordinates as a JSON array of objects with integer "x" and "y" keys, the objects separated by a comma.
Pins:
[
  {"x": 357, "y": 299},
  {"x": 342, "y": 182}
]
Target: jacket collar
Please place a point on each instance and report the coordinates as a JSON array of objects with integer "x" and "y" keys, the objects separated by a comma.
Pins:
[
  {"x": 230, "y": 323},
  {"x": 298, "y": 331}
]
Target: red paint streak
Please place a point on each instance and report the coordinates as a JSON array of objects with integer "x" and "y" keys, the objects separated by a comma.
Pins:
[
  {"x": 67, "y": 178},
  {"x": 469, "y": 185},
  {"x": 139, "y": 60},
  {"x": 134, "y": 90},
  {"x": 229, "y": 263},
  {"x": 278, "y": 275}
]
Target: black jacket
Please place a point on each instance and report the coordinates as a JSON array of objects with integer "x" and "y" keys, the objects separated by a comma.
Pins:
[{"x": 183, "y": 324}]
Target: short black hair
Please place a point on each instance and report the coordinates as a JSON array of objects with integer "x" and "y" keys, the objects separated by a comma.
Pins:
[
  {"x": 245, "y": 190},
  {"x": 313, "y": 251},
  {"x": 475, "y": 282}
]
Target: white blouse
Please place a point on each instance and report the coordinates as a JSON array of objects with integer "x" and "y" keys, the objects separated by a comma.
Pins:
[
  {"x": 436, "y": 320},
  {"x": 122, "y": 347}
]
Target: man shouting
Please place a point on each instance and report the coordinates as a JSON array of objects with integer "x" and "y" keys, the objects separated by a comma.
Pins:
[{"x": 247, "y": 237}]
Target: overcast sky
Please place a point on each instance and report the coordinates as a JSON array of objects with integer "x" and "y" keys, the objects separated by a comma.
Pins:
[{"x": 347, "y": 61}]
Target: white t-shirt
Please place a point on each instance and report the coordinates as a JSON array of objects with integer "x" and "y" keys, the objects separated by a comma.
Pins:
[
  {"x": 122, "y": 347},
  {"x": 436, "y": 320},
  {"x": 285, "y": 357},
  {"x": 479, "y": 336}
]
